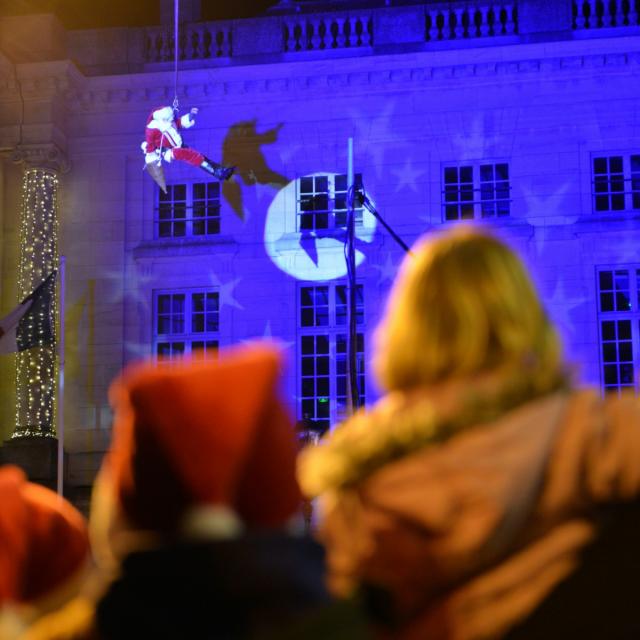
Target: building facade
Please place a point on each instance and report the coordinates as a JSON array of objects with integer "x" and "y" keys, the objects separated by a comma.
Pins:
[{"x": 522, "y": 115}]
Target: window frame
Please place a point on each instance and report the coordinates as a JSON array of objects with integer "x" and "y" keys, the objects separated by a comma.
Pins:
[
  {"x": 193, "y": 341},
  {"x": 611, "y": 313},
  {"x": 336, "y": 215},
  {"x": 626, "y": 181},
  {"x": 208, "y": 204},
  {"x": 467, "y": 192},
  {"x": 334, "y": 332}
]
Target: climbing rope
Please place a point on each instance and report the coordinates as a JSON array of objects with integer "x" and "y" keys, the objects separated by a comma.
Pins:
[{"x": 176, "y": 103}]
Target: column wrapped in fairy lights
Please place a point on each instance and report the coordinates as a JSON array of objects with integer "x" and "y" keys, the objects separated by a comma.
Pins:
[{"x": 36, "y": 367}]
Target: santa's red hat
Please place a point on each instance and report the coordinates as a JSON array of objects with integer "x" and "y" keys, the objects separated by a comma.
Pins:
[
  {"x": 203, "y": 433},
  {"x": 44, "y": 546},
  {"x": 164, "y": 112}
]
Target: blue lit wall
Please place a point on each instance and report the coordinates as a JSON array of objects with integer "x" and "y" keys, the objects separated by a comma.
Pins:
[{"x": 545, "y": 108}]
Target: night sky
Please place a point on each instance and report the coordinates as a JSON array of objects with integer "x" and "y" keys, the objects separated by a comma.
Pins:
[{"x": 88, "y": 14}]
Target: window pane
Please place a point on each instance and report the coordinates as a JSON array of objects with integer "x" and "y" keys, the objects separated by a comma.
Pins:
[
  {"x": 322, "y": 366},
  {"x": 615, "y": 164},
  {"x": 466, "y": 174},
  {"x": 486, "y": 172},
  {"x": 626, "y": 352},
  {"x": 322, "y": 183},
  {"x": 451, "y": 175},
  {"x": 624, "y": 330},
  {"x": 600, "y": 165},
  {"x": 606, "y": 302},
  {"x": 626, "y": 374},
  {"x": 611, "y": 374},
  {"x": 609, "y": 352},
  {"x": 623, "y": 303},
  {"x": 609, "y": 330},
  {"x": 606, "y": 280}
]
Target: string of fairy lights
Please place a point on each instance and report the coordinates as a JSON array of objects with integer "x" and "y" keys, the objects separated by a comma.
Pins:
[{"x": 36, "y": 367}]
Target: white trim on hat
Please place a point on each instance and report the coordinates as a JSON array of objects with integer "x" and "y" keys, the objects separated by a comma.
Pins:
[{"x": 211, "y": 522}]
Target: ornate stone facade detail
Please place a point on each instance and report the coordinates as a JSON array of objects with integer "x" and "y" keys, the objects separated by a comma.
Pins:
[{"x": 45, "y": 156}]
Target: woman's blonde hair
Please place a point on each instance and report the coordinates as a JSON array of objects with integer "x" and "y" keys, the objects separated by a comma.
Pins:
[{"x": 465, "y": 305}]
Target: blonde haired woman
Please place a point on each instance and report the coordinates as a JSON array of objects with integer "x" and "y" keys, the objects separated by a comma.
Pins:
[{"x": 469, "y": 493}]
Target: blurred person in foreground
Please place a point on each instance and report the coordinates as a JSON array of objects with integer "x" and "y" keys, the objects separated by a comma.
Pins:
[
  {"x": 44, "y": 552},
  {"x": 195, "y": 518},
  {"x": 484, "y": 496}
]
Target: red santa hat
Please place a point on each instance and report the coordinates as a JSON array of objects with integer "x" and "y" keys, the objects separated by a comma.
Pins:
[
  {"x": 44, "y": 546},
  {"x": 198, "y": 433},
  {"x": 165, "y": 112}
]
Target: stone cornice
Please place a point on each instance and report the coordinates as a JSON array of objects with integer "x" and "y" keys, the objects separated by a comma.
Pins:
[
  {"x": 41, "y": 81},
  {"x": 151, "y": 89},
  {"x": 43, "y": 156}
]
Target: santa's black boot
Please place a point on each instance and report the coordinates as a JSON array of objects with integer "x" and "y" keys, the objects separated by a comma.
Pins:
[{"x": 217, "y": 170}]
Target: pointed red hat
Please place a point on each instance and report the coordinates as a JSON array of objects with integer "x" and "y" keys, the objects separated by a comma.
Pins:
[
  {"x": 206, "y": 432},
  {"x": 44, "y": 544}
]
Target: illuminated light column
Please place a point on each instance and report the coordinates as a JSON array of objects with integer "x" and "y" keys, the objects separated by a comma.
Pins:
[{"x": 36, "y": 367}]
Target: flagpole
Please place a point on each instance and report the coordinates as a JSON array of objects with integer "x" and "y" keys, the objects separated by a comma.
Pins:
[{"x": 61, "y": 281}]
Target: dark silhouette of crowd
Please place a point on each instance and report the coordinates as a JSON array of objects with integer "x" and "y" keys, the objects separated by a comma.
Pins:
[{"x": 485, "y": 495}]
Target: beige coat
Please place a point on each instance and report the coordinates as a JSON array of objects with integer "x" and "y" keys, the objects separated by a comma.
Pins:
[{"x": 470, "y": 533}]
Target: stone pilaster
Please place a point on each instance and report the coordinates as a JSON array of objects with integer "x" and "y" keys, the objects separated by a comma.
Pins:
[{"x": 36, "y": 367}]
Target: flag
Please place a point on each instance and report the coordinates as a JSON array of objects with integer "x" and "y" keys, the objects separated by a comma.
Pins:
[{"x": 31, "y": 323}]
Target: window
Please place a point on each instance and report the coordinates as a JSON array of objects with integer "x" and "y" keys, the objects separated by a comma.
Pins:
[
  {"x": 619, "y": 324},
  {"x": 185, "y": 322},
  {"x": 476, "y": 190},
  {"x": 188, "y": 210},
  {"x": 322, "y": 202},
  {"x": 616, "y": 182},
  {"x": 323, "y": 352}
]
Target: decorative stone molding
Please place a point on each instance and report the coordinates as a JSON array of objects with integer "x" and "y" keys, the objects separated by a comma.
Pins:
[
  {"x": 46, "y": 156},
  {"x": 103, "y": 99}
]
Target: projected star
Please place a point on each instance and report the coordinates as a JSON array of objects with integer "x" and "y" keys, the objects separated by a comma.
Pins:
[
  {"x": 287, "y": 152},
  {"x": 137, "y": 349},
  {"x": 545, "y": 211},
  {"x": 373, "y": 135},
  {"x": 387, "y": 270},
  {"x": 560, "y": 306},
  {"x": 268, "y": 335},
  {"x": 628, "y": 248},
  {"x": 130, "y": 285},
  {"x": 225, "y": 291},
  {"x": 472, "y": 146},
  {"x": 407, "y": 177}
]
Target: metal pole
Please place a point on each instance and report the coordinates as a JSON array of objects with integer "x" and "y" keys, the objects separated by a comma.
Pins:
[
  {"x": 352, "y": 347},
  {"x": 61, "y": 283}
]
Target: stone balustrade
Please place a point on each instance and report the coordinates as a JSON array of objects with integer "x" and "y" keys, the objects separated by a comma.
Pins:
[
  {"x": 459, "y": 20},
  {"x": 196, "y": 41},
  {"x": 327, "y": 31},
  {"x": 459, "y": 23},
  {"x": 596, "y": 14}
]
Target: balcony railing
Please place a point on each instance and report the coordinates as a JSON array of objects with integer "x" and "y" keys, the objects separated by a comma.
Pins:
[
  {"x": 597, "y": 14},
  {"x": 332, "y": 31},
  {"x": 471, "y": 20},
  {"x": 196, "y": 41},
  {"x": 410, "y": 26}
]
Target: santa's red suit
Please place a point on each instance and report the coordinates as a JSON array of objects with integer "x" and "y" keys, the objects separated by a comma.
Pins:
[
  {"x": 162, "y": 135},
  {"x": 163, "y": 139}
]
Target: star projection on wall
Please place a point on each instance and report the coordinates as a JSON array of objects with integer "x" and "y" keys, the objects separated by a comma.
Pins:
[
  {"x": 130, "y": 286},
  {"x": 388, "y": 270},
  {"x": 268, "y": 335},
  {"x": 543, "y": 211},
  {"x": 375, "y": 135},
  {"x": 225, "y": 290},
  {"x": 406, "y": 177},
  {"x": 479, "y": 136},
  {"x": 314, "y": 253},
  {"x": 560, "y": 305}
]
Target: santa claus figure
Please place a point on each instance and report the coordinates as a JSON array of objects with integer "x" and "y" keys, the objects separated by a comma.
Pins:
[{"x": 163, "y": 141}]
